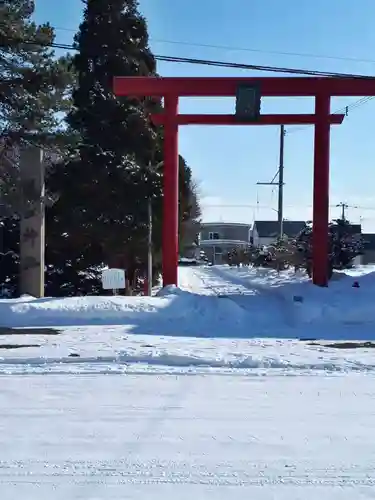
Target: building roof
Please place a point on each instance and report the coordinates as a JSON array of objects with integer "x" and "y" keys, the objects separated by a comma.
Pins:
[
  {"x": 217, "y": 224},
  {"x": 270, "y": 228},
  {"x": 368, "y": 241}
]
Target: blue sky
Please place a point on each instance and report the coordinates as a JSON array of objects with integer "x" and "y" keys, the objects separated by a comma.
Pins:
[{"x": 228, "y": 161}]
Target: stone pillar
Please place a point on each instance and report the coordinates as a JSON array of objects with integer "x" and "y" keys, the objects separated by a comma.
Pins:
[{"x": 32, "y": 227}]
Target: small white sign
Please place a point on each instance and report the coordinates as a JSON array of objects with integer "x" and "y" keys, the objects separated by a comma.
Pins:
[{"x": 113, "y": 279}]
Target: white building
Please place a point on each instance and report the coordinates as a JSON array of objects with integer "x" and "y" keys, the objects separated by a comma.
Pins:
[{"x": 219, "y": 238}]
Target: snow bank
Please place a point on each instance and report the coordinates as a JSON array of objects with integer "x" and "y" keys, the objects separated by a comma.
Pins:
[
  {"x": 338, "y": 304},
  {"x": 121, "y": 362},
  {"x": 220, "y": 302},
  {"x": 88, "y": 310},
  {"x": 172, "y": 312},
  {"x": 112, "y": 350}
]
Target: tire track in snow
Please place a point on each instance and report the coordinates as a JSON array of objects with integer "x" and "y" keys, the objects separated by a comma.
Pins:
[
  {"x": 243, "y": 292},
  {"x": 217, "y": 289}
]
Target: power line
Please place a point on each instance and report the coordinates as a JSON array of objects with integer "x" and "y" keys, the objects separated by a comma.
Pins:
[
  {"x": 246, "y": 49},
  {"x": 217, "y": 63},
  {"x": 256, "y": 67},
  {"x": 355, "y": 104},
  {"x": 225, "y": 64},
  {"x": 245, "y": 205},
  {"x": 350, "y": 107}
]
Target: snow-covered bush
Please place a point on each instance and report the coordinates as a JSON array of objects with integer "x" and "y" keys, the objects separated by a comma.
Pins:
[{"x": 344, "y": 246}]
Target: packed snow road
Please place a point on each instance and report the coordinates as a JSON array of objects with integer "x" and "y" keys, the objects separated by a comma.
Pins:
[
  {"x": 248, "y": 288},
  {"x": 233, "y": 281},
  {"x": 186, "y": 436}
]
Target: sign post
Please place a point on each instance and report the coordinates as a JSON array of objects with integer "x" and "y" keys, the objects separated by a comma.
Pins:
[{"x": 113, "y": 279}]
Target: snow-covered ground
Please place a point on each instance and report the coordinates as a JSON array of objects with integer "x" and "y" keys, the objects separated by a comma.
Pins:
[{"x": 174, "y": 397}]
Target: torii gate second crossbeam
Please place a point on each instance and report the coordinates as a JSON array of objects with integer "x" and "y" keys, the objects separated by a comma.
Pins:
[{"x": 321, "y": 88}]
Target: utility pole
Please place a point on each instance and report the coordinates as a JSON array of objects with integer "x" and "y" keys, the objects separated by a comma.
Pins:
[
  {"x": 149, "y": 236},
  {"x": 280, "y": 183},
  {"x": 151, "y": 168},
  {"x": 149, "y": 249},
  {"x": 343, "y": 206},
  {"x": 280, "y": 208}
]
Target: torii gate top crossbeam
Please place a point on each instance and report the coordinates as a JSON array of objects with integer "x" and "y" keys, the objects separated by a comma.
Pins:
[{"x": 269, "y": 86}]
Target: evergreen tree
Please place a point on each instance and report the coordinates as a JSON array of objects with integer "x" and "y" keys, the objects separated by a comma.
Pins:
[
  {"x": 9, "y": 257},
  {"x": 34, "y": 83},
  {"x": 34, "y": 88},
  {"x": 344, "y": 245},
  {"x": 101, "y": 214},
  {"x": 189, "y": 208}
]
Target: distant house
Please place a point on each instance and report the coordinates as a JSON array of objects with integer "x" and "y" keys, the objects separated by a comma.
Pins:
[
  {"x": 368, "y": 256},
  {"x": 353, "y": 229},
  {"x": 218, "y": 238},
  {"x": 266, "y": 232}
]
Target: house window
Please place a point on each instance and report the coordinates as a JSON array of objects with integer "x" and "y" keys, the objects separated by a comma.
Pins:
[{"x": 213, "y": 236}]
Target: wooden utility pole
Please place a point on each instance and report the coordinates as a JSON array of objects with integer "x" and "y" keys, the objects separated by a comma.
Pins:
[
  {"x": 149, "y": 233},
  {"x": 343, "y": 206},
  {"x": 149, "y": 248},
  {"x": 279, "y": 183},
  {"x": 280, "y": 209},
  {"x": 32, "y": 226}
]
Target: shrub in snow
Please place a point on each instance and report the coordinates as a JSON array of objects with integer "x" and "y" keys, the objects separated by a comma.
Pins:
[{"x": 344, "y": 246}]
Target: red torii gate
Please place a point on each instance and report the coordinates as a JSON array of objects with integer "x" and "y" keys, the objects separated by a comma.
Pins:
[{"x": 321, "y": 88}]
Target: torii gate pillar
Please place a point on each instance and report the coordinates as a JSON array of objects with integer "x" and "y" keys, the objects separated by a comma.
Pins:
[
  {"x": 170, "y": 193},
  {"x": 320, "y": 236}
]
